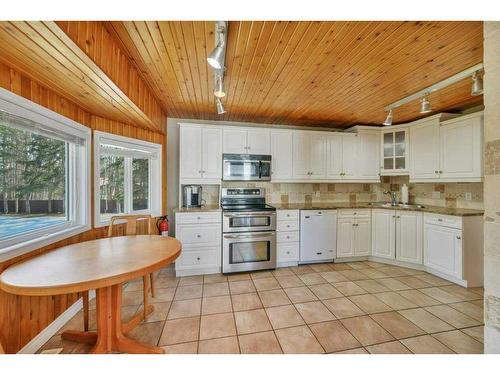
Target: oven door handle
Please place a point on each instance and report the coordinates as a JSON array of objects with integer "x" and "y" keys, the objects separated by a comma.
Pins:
[
  {"x": 249, "y": 214},
  {"x": 244, "y": 237}
]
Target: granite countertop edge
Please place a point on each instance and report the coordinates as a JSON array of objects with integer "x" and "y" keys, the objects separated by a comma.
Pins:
[
  {"x": 339, "y": 205},
  {"x": 334, "y": 205}
]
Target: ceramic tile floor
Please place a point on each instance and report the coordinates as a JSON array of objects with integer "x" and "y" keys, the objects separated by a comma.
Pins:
[{"x": 358, "y": 307}]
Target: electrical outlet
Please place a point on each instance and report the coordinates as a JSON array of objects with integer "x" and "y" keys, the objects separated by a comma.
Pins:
[
  {"x": 317, "y": 194},
  {"x": 468, "y": 196},
  {"x": 436, "y": 195}
]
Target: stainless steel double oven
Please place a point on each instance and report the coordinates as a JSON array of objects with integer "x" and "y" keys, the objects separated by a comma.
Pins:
[{"x": 249, "y": 231}]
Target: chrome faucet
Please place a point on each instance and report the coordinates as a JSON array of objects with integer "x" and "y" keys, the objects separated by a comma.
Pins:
[{"x": 394, "y": 197}]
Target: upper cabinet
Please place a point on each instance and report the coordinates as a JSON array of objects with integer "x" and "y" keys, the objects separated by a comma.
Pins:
[
  {"x": 200, "y": 153},
  {"x": 394, "y": 152},
  {"x": 341, "y": 156},
  {"x": 308, "y": 160},
  {"x": 246, "y": 141},
  {"x": 447, "y": 151},
  {"x": 281, "y": 155},
  {"x": 368, "y": 155}
]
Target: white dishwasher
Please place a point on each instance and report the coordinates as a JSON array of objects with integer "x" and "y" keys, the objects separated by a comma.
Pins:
[{"x": 318, "y": 235}]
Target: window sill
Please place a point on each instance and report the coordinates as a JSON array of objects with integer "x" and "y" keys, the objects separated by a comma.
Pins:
[{"x": 31, "y": 245}]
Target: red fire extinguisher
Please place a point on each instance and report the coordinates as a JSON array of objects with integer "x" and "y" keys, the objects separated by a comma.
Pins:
[{"x": 162, "y": 225}]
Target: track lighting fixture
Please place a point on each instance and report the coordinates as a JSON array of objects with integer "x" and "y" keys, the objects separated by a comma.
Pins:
[
  {"x": 425, "y": 105},
  {"x": 423, "y": 95},
  {"x": 388, "y": 119},
  {"x": 220, "y": 106},
  {"x": 216, "y": 57},
  {"x": 219, "y": 87},
  {"x": 477, "y": 84}
]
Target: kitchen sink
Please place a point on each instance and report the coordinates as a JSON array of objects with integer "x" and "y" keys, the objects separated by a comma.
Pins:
[{"x": 398, "y": 205}]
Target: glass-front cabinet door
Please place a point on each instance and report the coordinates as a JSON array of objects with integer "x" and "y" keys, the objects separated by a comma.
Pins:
[{"x": 394, "y": 152}]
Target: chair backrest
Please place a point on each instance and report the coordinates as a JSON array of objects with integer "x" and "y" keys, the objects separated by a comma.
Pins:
[
  {"x": 1, "y": 349},
  {"x": 130, "y": 223}
]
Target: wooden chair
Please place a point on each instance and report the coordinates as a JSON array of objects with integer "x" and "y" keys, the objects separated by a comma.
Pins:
[
  {"x": 1, "y": 349},
  {"x": 130, "y": 230}
]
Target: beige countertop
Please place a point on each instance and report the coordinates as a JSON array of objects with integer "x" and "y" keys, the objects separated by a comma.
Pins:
[
  {"x": 346, "y": 205},
  {"x": 206, "y": 208},
  {"x": 340, "y": 205}
]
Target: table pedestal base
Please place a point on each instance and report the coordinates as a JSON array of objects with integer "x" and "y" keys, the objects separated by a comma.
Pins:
[{"x": 110, "y": 336}]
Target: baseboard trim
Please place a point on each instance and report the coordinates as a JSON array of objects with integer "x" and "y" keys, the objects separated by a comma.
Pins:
[{"x": 39, "y": 340}]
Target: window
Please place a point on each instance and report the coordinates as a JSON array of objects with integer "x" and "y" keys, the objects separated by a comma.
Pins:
[
  {"x": 129, "y": 177},
  {"x": 44, "y": 176}
]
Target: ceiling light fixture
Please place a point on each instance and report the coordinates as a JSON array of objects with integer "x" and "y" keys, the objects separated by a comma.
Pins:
[
  {"x": 425, "y": 105},
  {"x": 477, "y": 84},
  {"x": 219, "y": 87},
  {"x": 388, "y": 119},
  {"x": 477, "y": 89},
  {"x": 220, "y": 106},
  {"x": 215, "y": 59}
]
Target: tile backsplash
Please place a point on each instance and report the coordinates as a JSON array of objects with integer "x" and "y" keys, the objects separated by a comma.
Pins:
[{"x": 450, "y": 194}]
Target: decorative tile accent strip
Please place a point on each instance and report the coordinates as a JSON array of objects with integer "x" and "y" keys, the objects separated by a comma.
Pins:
[
  {"x": 492, "y": 311},
  {"x": 492, "y": 157}
]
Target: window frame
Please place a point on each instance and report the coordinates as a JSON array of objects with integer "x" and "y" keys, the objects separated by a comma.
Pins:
[
  {"x": 78, "y": 176},
  {"x": 155, "y": 176}
]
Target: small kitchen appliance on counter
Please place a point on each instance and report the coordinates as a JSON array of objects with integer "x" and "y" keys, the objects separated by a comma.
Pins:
[{"x": 191, "y": 196}]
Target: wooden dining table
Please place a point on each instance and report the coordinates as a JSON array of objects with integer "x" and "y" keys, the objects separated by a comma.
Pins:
[{"x": 104, "y": 265}]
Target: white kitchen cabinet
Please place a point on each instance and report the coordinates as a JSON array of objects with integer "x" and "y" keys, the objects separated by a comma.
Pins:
[
  {"x": 444, "y": 249},
  {"x": 383, "y": 233},
  {"x": 246, "y": 141},
  {"x": 447, "y": 151},
  {"x": 287, "y": 237},
  {"x": 200, "y": 154},
  {"x": 461, "y": 148},
  {"x": 367, "y": 155},
  {"x": 409, "y": 226},
  {"x": 341, "y": 156},
  {"x": 345, "y": 237},
  {"x": 281, "y": 154},
  {"x": 397, "y": 234},
  {"x": 425, "y": 150},
  {"x": 353, "y": 233},
  {"x": 453, "y": 248},
  {"x": 308, "y": 160},
  {"x": 394, "y": 152},
  {"x": 235, "y": 141},
  {"x": 200, "y": 235}
]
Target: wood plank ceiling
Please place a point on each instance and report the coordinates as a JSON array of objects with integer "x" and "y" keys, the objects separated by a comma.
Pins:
[
  {"x": 47, "y": 53},
  {"x": 304, "y": 73}
]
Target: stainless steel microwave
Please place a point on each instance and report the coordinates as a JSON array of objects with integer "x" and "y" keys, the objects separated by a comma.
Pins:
[{"x": 243, "y": 167}]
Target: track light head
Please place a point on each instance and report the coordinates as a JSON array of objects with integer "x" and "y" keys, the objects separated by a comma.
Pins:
[
  {"x": 215, "y": 58},
  {"x": 425, "y": 105},
  {"x": 220, "y": 106},
  {"x": 388, "y": 119},
  {"x": 477, "y": 84},
  {"x": 219, "y": 87}
]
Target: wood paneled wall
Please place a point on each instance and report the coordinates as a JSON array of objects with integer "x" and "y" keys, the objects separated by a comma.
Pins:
[{"x": 22, "y": 318}]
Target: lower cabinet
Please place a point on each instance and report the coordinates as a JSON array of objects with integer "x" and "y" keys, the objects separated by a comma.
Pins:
[
  {"x": 200, "y": 235},
  {"x": 443, "y": 249},
  {"x": 287, "y": 237},
  {"x": 353, "y": 233},
  {"x": 397, "y": 235}
]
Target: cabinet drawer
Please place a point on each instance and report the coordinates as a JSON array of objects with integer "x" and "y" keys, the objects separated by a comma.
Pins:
[
  {"x": 362, "y": 212},
  {"x": 287, "y": 237},
  {"x": 198, "y": 217},
  {"x": 288, "y": 215},
  {"x": 288, "y": 252},
  {"x": 205, "y": 257},
  {"x": 287, "y": 226},
  {"x": 444, "y": 220},
  {"x": 198, "y": 234}
]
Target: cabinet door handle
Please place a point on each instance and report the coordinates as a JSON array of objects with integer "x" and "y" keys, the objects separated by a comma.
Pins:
[
  {"x": 459, "y": 238},
  {"x": 199, "y": 218},
  {"x": 319, "y": 253},
  {"x": 287, "y": 237},
  {"x": 436, "y": 172},
  {"x": 440, "y": 172},
  {"x": 198, "y": 235},
  {"x": 288, "y": 252},
  {"x": 198, "y": 258}
]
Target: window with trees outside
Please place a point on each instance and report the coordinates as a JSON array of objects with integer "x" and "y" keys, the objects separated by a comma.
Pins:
[
  {"x": 129, "y": 177},
  {"x": 44, "y": 175}
]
